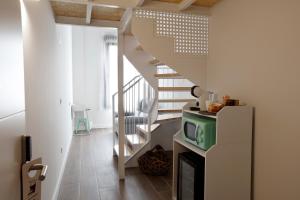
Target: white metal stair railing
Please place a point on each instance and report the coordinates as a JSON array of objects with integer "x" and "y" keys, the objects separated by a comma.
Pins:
[
  {"x": 139, "y": 100},
  {"x": 115, "y": 101}
]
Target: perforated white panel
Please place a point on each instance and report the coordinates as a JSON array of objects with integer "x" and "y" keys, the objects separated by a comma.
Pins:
[{"x": 189, "y": 31}]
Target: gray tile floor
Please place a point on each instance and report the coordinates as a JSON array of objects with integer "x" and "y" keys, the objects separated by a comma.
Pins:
[{"x": 91, "y": 174}]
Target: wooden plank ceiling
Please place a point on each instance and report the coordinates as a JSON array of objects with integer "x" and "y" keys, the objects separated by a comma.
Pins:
[
  {"x": 69, "y": 9},
  {"x": 79, "y": 10},
  {"x": 108, "y": 12}
]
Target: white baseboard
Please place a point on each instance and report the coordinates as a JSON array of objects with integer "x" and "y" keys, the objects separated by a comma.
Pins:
[{"x": 61, "y": 173}]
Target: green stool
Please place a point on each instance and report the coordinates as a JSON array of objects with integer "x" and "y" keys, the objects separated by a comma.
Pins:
[
  {"x": 81, "y": 118},
  {"x": 83, "y": 121}
]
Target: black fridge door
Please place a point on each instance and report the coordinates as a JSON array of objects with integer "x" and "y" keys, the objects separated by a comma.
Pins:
[{"x": 190, "y": 176}]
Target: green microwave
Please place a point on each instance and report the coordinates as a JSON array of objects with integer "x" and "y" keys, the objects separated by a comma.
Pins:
[{"x": 199, "y": 131}]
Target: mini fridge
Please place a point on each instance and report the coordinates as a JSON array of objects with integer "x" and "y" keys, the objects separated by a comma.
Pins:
[{"x": 191, "y": 170}]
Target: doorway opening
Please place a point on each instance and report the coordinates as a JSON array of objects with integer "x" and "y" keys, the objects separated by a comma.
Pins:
[{"x": 95, "y": 76}]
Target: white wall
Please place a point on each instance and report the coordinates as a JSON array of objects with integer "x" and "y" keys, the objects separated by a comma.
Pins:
[
  {"x": 12, "y": 125},
  {"x": 48, "y": 89},
  {"x": 254, "y": 56}
]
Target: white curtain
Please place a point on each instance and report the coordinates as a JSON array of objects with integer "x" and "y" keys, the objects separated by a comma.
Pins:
[{"x": 105, "y": 95}]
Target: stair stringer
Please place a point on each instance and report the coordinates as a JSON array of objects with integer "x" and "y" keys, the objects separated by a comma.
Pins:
[
  {"x": 133, "y": 160},
  {"x": 140, "y": 60},
  {"x": 163, "y": 136},
  {"x": 192, "y": 67}
]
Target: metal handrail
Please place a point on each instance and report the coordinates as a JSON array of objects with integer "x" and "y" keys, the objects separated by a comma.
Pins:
[
  {"x": 138, "y": 76},
  {"x": 133, "y": 84}
]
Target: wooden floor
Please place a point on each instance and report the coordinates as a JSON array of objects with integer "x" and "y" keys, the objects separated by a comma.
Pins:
[{"x": 91, "y": 174}]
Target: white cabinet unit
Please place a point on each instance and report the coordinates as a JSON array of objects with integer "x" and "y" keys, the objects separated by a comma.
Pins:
[{"x": 228, "y": 162}]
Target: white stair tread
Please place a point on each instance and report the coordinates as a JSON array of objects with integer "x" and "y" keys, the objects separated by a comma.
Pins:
[
  {"x": 174, "y": 88},
  {"x": 170, "y": 116},
  {"x": 128, "y": 151},
  {"x": 168, "y": 75},
  {"x": 134, "y": 139},
  {"x": 175, "y": 100},
  {"x": 169, "y": 110},
  {"x": 144, "y": 128}
]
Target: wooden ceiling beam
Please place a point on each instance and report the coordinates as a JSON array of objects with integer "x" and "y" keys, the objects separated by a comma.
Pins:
[
  {"x": 89, "y": 9},
  {"x": 125, "y": 20},
  {"x": 115, "y": 3},
  {"x": 185, "y": 4}
]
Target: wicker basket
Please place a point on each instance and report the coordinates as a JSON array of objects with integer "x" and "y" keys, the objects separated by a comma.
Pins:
[{"x": 155, "y": 162}]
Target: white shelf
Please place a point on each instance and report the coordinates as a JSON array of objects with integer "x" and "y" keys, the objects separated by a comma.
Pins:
[
  {"x": 229, "y": 159},
  {"x": 200, "y": 114},
  {"x": 179, "y": 139}
]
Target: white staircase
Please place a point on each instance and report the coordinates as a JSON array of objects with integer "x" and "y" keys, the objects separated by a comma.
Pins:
[
  {"x": 173, "y": 89},
  {"x": 165, "y": 106},
  {"x": 165, "y": 53},
  {"x": 179, "y": 40},
  {"x": 169, "y": 91}
]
